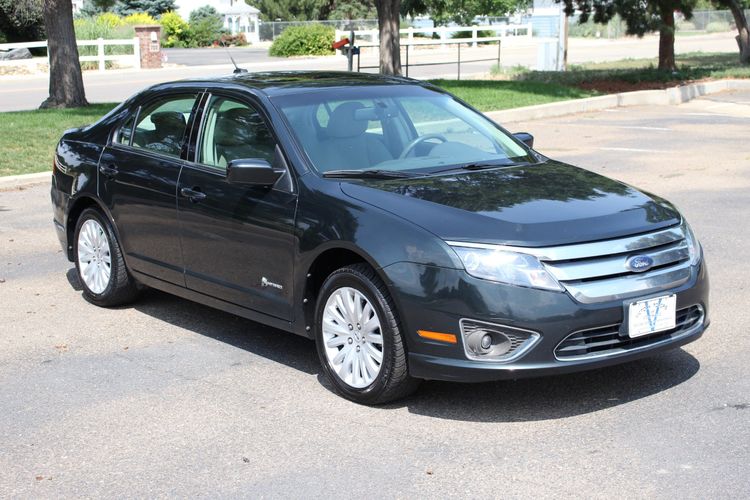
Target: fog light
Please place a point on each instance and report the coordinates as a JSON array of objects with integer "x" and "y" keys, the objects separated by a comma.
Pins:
[
  {"x": 486, "y": 341},
  {"x": 489, "y": 342}
]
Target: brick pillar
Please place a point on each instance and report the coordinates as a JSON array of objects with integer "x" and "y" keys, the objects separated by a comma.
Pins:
[{"x": 149, "y": 37}]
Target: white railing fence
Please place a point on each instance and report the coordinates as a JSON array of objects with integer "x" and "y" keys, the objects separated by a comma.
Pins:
[
  {"x": 445, "y": 32},
  {"x": 101, "y": 57}
]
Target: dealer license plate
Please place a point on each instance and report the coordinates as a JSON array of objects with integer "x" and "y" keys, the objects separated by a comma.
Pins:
[{"x": 652, "y": 315}]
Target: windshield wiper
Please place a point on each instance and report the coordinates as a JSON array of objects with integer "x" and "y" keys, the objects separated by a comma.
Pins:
[
  {"x": 368, "y": 174},
  {"x": 479, "y": 165}
]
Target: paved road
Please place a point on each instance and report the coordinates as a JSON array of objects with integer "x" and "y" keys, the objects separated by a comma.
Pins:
[
  {"x": 18, "y": 93},
  {"x": 170, "y": 398}
]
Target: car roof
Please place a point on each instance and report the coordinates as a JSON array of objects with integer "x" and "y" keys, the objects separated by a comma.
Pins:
[{"x": 291, "y": 82}]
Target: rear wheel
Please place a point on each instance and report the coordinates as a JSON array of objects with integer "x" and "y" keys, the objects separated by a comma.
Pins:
[
  {"x": 358, "y": 337},
  {"x": 101, "y": 268}
]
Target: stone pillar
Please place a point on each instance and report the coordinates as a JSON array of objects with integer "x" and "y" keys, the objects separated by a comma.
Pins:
[{"x": 149, "y": 38}]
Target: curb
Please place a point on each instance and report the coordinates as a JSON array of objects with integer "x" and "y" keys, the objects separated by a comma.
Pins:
[
  {"x": 16, "y": 181},
  {"x": 663, "y": 97}
]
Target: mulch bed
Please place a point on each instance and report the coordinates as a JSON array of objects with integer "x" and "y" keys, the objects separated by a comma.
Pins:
[{"x": 617, "y": 86}]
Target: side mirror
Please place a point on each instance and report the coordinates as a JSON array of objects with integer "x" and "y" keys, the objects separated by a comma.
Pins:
[
  {"x": 253, "y": 172},
  {"x": 525, "y": 138}
]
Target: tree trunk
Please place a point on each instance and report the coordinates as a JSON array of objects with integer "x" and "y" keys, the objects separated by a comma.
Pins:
[
  {"x": 390, "y": 46},
  {"x": 666, "y": 38},
  {"x": 743, "y": 33},
  {"x": 65, "y": 80}
]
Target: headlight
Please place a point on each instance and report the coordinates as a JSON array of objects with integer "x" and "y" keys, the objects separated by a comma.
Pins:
[
  {"x": 506, "y": 267},
  {"x": 694, "y": 248}
]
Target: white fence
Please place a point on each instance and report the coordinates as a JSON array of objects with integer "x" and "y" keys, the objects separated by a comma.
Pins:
[
  {"x": 101, "y": 57},
  {"x": 501, "y": 31}
]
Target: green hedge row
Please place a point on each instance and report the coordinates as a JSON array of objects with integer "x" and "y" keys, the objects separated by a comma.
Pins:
[{"x": 310, "y": 40}]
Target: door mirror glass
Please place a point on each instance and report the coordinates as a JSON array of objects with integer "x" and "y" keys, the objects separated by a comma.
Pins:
[
  {"x": 525, "y": 138},
  {"x": 253, "y": 172}
]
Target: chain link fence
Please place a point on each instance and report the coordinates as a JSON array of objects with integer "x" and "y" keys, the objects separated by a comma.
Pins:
[
  {"x": 703, "y": 21},
  {"x": 270, "y": 30}
]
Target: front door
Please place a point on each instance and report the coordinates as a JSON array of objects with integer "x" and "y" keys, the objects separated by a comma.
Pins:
[
  {"x": 138, "y": 173},
  {"x": 237, "y": 240}
]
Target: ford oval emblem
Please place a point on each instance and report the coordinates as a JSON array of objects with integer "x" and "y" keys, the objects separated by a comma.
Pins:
[{"x": 639, "y": 263}]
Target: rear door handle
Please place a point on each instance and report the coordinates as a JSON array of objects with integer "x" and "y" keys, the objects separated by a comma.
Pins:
[
  {"x": 108, "y": 170},
  {"x": 195, "y": 195}
]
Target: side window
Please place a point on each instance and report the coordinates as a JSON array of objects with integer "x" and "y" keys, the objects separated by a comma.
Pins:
[
  {"x": 233, "y": 130},
  {"x": 125, "y": 132},
  {"x": 161, "y": 127}
]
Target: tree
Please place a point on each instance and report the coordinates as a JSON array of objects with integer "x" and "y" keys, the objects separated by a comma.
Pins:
[
  {"x": 740, "y": 21},
  {"x": 153, "y": 8},
  {"x": 641, "y": 17},
  {"x": 351, "y": 9},
  {"x": 205, "y": 26},
  {"x": 461, "y": 12},
  {"x": 65, "y": 79},
  {"x": 290, "y": 10},
  {"x": 93, "y": 8},
  {"x": 389, "y": 24},
  {"x": 22, "y": 20}
]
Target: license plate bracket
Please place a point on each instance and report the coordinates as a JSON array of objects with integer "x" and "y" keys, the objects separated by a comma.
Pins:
[{"x": 652, "y": 315}]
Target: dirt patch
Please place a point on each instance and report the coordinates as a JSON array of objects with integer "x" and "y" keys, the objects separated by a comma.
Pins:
[{"x": 617, "y": 86}]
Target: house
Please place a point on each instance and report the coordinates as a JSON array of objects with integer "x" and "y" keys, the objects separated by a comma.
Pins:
[{"x": 239, "y": 17}]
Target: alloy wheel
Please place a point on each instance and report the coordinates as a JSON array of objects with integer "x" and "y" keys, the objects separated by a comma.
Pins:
[
  {"x": 353, "y": 337},
  {"x": 94, "y": 256}
]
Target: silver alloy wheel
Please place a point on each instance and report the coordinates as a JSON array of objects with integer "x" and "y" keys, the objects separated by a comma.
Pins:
[
  {"x": 353, "y": 337},
  {"x": 94, "y": 257}
]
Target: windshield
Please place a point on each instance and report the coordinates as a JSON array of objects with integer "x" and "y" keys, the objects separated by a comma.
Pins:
[{"x": 402, "y": 128}]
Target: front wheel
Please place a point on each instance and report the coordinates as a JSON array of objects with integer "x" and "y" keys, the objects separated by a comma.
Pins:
[
  {"x": 101, "y": 268},
  {"x": 359, "y": 339}
]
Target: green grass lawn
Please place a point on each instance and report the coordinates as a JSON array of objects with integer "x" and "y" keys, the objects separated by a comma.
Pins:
[
  {"x": 28, "y": 138},
  {"x": 491, "y": 95},
  {"x": 691, "y": 66}
]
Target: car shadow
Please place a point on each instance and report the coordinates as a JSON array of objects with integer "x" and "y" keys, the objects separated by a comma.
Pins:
[
  {"x": 554, "y": 397},
  {"x": 276, "y": 345},
  {"x": 545, "y": 398}
]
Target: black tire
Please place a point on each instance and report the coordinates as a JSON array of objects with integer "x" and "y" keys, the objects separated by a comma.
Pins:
[
  {"x": 393, "y": 381},
  {"x": 121, "y": 288}
]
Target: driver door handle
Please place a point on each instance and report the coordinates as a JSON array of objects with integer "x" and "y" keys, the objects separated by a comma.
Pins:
[
  {"x": 195, "y": 194},
  {"x": 108, "y": 170}
]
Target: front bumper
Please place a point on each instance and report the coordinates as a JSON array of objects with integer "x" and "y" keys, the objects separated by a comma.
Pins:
[{"x": 436, "y": 299}]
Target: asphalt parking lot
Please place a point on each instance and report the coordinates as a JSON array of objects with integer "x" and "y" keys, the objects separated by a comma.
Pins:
[{"x": 171, "y": 398}]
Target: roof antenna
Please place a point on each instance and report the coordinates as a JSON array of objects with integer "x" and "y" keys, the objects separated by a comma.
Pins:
[{"x": 237, "y": 69}]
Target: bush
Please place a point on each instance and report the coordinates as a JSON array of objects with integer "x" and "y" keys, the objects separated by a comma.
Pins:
[
  {"x": 206, "y": 27},
  {"x": 230, "y": 40},
  {"x": 308, "y": 40},
  {"x": 685, "y": 26},
  {"x": 717, "y": 27},
  {"x": 139, "y": 18},
  {"x": 108, "y": 26},
  {"x": 175, "y": 31},
  {"x": 480, "y": 34}
]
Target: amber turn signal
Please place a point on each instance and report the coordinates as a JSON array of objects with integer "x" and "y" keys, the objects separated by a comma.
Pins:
[{"x": 440, "y": 337}]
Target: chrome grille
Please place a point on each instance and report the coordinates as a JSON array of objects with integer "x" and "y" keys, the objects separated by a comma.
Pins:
[
  {"x": 607, "y": 341},
  {"x": 597, "y": 272}
]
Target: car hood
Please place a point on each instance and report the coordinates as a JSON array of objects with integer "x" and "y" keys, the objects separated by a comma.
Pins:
[{"x": 539, "y": 205}]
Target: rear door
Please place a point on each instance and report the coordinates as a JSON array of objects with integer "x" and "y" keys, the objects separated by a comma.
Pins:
[
  {"x": 237, "y": 240},
  {"x": 138, "y": 175}
]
